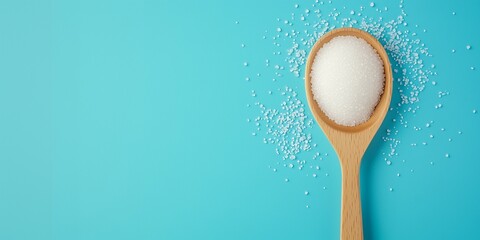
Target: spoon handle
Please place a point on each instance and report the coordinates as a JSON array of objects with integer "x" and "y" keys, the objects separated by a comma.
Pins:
[{"x": 351, "y": 224}]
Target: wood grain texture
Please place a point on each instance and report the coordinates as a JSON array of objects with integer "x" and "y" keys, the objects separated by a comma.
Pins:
[{"x": 350, "y": 143}]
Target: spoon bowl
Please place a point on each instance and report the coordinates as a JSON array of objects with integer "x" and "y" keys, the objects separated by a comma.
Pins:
[{"x": 350, "y": 143}]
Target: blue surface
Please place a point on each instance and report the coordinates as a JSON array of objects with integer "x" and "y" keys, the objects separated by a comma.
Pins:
[{"x": 126, "y": 120}]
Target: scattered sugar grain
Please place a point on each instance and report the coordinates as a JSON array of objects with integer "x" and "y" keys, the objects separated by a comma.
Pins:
[{"x": 404, "y": 51}]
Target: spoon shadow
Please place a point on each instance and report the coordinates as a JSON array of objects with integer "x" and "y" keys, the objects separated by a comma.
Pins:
[{"x": 372, "y": 161}]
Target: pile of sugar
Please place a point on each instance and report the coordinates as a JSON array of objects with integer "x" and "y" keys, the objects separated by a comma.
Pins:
[{"x": 347, "y": 80}]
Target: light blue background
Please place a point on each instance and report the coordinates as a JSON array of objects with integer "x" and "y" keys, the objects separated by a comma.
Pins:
[{"x": 126, "y": 120}]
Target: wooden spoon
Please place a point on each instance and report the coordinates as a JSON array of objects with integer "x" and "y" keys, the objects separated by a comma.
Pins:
[{"x": 350, "y": 143}]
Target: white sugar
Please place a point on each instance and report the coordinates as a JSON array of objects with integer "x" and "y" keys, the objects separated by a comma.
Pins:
[
  {"x": 291, "y": 131},
  {"x": 347, "y": 80}
]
